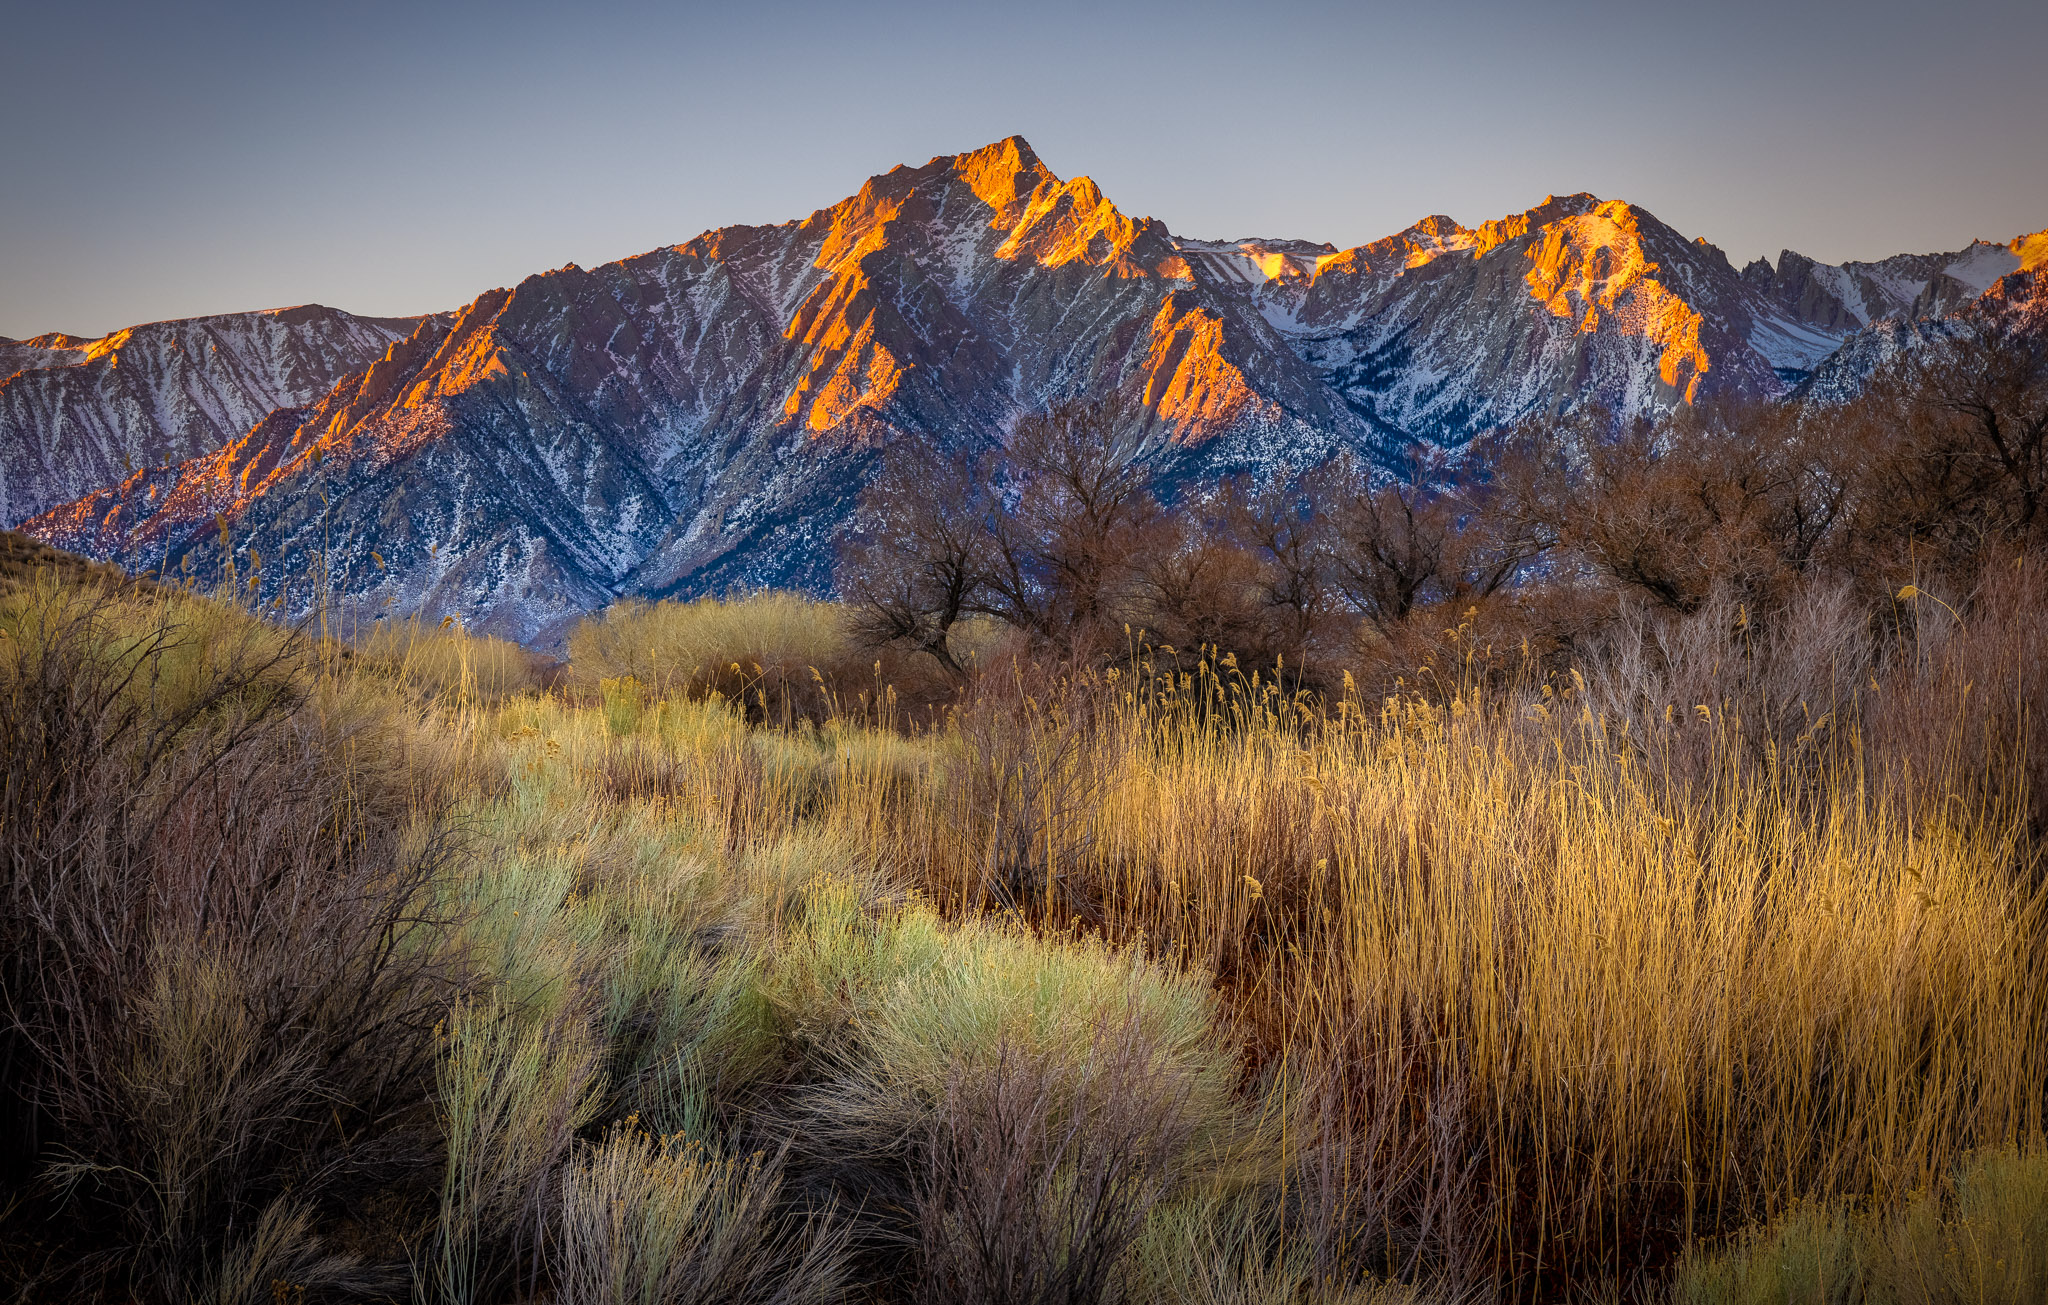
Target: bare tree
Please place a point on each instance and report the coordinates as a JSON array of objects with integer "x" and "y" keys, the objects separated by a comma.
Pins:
[
  {"x": 924, "y": 561},
  {"x": 1384, "y": 544},
  {"x": 1706, "y": 499},
  {"x": 1276, "y": 525},
  {"x": 1968, "y": 453},
  {"x": 1199, "y": 588},
  {"x": 1076, "y": 511}
]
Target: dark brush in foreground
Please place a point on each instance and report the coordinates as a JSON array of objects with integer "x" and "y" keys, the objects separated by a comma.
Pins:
[{"x": 1700, "y": 955}]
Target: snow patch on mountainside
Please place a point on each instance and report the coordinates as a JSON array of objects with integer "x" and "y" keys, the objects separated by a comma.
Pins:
[
  {"x": 703, "y": 416},
  {"x": 1981, "y": 264},
  {"x": 79, "y": 414}
]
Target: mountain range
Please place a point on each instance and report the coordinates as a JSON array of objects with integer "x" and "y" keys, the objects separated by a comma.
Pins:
[
  {"x": 703, "y": 416},
  {"x": 78, "y": 414}
]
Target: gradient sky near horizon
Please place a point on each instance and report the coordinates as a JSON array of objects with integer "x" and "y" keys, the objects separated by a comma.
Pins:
[{"x": 170, "y": 160}]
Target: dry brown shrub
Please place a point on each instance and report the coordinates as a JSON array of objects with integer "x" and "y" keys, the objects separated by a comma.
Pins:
[
  {"x": 1388, "y": 1172},
  {"x": 1040, "y": 1174},
  {"x": 1021, "y": 792},
  {"x": 666, "y": 1220},
  {"x": 218, "y": 956}
]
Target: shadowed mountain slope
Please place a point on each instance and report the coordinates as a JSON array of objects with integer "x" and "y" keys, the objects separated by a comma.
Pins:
[
  {"x": 702, "y": 416},
  {"x": 77, "y": 414}
]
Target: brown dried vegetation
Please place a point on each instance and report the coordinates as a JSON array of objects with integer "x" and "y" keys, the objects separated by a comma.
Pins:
[
  {"x": 1604, "y": 869},
  {"x": 218, "y": 1009}
]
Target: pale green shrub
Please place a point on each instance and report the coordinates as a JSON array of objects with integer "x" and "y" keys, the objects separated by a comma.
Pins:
[
  {"x": 513, "y": 1093},
  {"x": 1986, "y": 1244},
  {"x": 646, "y": 1221},
  {"x": 1989, "y": 1246}
]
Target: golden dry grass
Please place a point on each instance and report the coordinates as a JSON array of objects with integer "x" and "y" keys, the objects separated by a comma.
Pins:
[
  {"x": 1487, "y": 993},
  {"x": 447, "y": 663},
  {"x": 686, "y": 649},
  {"x": 1637, "y": 1010}
]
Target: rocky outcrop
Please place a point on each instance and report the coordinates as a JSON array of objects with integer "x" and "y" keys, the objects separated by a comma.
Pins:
[
  {"x": 1836, "y": 302},
  {"x": 2016, "y": 303}
]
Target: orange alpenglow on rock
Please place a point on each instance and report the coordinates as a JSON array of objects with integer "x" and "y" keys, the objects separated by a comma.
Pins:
[
  {"x": 847, "y": 371},
  {"x": 1074, "y": 223},
  {"x": 1188, "y": 384},
  {"x": 2032, "y": 251},
  {"x": 1591, "y": 269},
  {"x": 858, "y": 349},
  {"x": 846, "y": 368}
]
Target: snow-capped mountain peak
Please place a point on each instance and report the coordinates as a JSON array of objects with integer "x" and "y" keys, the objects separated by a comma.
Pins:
[{"x": 703, "y": 415}]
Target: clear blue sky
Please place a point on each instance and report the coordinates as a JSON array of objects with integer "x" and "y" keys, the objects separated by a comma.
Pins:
[{"x": 165, "y": 160}]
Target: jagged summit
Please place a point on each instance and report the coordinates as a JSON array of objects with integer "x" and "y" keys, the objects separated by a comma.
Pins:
[
  {"x": 1003, "y": 174},
  {"x": 703, "y": 415},
  {"x": 1854, "y": 295},
  {"x": 53, "y": 340}
]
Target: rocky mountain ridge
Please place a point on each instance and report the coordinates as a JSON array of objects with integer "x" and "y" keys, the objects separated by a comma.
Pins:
[
  {"x": 78, "y": 414},
  {"x": 702, "y": 416}
]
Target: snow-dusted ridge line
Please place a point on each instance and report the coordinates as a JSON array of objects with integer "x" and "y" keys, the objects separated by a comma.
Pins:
[
  {"x": 703, "y": 415},
  {"x": 77, "y": 414}
]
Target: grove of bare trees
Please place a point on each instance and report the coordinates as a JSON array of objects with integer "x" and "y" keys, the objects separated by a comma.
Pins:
[{"x": 1067, "y": 535}]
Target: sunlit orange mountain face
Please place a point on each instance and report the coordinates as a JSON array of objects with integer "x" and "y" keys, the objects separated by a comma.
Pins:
[{"x": 703, "y": 416}]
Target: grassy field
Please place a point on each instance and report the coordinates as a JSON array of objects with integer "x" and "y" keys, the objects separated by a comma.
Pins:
[{"x": 715, "y": 966}]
